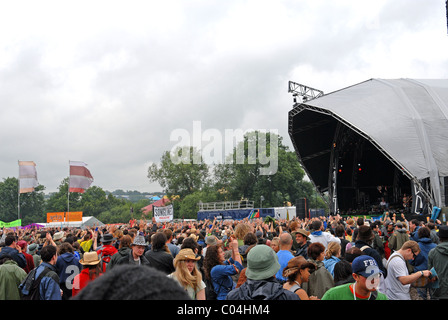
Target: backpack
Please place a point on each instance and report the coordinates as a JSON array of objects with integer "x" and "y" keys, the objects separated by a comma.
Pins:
[
  {"x": 105, "y": 259},
  {"x": 210, "y": 293},
  {"x": 33, "y": 284}
]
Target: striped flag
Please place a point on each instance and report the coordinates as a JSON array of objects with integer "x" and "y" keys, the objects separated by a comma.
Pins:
[
  {"x": 255, "y": 213},
  {"x": 80, "y": 178},
  {"x": 27, "y": 176}
]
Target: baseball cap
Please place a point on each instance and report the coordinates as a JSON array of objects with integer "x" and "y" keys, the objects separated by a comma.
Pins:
[{"x": 366, "y": 266}]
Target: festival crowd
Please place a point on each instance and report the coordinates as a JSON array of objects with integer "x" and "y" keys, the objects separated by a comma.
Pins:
[{"x": 322, "y": 258}]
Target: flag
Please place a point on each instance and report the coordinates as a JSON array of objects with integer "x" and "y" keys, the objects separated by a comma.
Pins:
[
  {"x": 254, "y": 214},
  {"x": 80, "y": 178},
  {"x": 27, "y": 176}
]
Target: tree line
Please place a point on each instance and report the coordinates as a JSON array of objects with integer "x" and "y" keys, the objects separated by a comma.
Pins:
[{"x": 186, "y": 183}]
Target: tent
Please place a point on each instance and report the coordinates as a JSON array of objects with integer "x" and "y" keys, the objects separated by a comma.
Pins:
[
  {"x": 86, "y": 222},
  {"x": 390, "y": 133}
]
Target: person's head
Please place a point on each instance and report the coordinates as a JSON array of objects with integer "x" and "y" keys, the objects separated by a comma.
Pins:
[
  {"x": 342, "y": 270},
  {"x": 125, "y": 241},
  {"x": 168, "y": 233},
  {"x": 443, "y": 233},
  {"x": 250, "y": 238},
  {"x": 275, "y": 244},
  {"x": 360, "y": 221},
  {"x": 49, "y": 254},
  {"x": 333, "y": 249},
  {"x": 262, "y": 263},
  {"x": 365, "y": 234},
  {"x": 10, "y": 241},
  {"x": 214, "y": 257},
  {"x": 352, "y": 253},
  {"x": 285, "y": 241},
  {"x": 107, "y": 239},
  {"x": 301, "y": 236},
  {"x": 241, "y": 230},
  {"x": 366, "y": 273},
  {"x": 316, "y": 225},
  {"x": 190, "y": 243},
  {"x": 414, "y": 223},
  {"x": 424, "y": 232},
  {"x": 298, "y": 269},
  {"x": 211, "y": 240},
  {"x": 64, "y": 248},
  {"x": 187, "y": 272},
  {"x": 409, "y": 250},
  {"x": 22, "y": 244},
  {"x": 138, "y": 246},
  {"x": 316, "y": 251},
  {"x": 339, "y": 231},
  {"x": 158, "y": 241},
  {"x": 132, "y": 282}
]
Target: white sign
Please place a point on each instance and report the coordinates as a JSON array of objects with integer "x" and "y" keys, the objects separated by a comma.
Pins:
[{"x": 163, "y": 214}]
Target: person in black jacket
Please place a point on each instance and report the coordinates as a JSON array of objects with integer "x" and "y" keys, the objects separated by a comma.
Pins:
[
  {"x": 364, "y": 243},
  {"x": 261, "y": 284}
]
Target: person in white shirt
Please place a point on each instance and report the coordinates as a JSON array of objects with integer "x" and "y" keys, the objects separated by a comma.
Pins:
[{"x": 319, "y": 235}]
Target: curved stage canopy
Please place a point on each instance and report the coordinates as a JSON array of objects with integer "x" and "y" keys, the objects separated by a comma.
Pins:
[{"x": 388, "y": 133}]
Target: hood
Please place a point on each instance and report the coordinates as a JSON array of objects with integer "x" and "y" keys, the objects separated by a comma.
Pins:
[
  {"x": 402, "y": 230},
  {"x": 425, "y": 240},
  {"x": 268, "y": 289},
  {"x": 442, "y": 248},
  {"x": 108, "y": 250},
  {"x": 68, "y": 257}
]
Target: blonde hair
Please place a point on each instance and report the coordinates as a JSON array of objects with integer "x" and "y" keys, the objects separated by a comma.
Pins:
[
  {"x": 332, "y": 249},
  {"x": 241, "y": 230},
  {"x": 185, "y": 278}
]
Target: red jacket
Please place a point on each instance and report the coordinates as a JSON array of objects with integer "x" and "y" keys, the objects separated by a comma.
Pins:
[
  {"x": 106, "y": 253},
  {"x": 81, "y": 280}
]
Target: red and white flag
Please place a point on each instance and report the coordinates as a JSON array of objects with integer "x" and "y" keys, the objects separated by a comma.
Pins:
[
  {"x": 80, "y": 178},
  {"x": 27, "y": 176}
]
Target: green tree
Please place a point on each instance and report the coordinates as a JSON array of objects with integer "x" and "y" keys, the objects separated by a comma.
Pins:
[
  {"x": 32, "y": 204},
  {"x": 180, "y": 172}
]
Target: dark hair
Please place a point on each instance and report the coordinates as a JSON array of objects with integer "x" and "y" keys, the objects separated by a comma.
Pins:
[
  {"x": 316, "y": 224},
  {"x": 250, "y": 239},
  {"x": 339, "y": 231},
  {"x": 211, "y": 259},
  {"x": 64, "y": 248},
  {"x": 342, "y": 270},
  {"x": 9, "y": 240},
  {"x": 424, "y": 232},
  {"x": 47, "y": 253},
  {"x": 158, "y": 241},
  {"x": 189, "y": 243},
  {"x": 314, "y": 250}
]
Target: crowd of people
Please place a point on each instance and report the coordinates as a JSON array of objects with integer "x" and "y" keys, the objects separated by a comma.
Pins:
[{"x": 323, "y": 258}]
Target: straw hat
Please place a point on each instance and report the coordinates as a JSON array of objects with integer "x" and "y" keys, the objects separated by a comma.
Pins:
[
  {"x": 186, "y": 254},
  {"x": 90, "y": 258}
]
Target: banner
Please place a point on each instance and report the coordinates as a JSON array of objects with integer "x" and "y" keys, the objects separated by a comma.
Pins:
[
  {"x": 27, "y": 176},
  {"x": 163, "y": 214},
  {"x": 55, "y": 217},
  {"x": 73, "y": 216},
  {"x": 12, "y": 224},
  {"x": 64, "y": 216},
  {"x": 80, "y": 177}
]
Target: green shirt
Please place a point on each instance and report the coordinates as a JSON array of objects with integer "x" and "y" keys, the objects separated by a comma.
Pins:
[{"x": 344, "y": 292}]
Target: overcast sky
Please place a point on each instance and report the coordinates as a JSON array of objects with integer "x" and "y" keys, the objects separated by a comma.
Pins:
[{"x": 107, "y": 82}]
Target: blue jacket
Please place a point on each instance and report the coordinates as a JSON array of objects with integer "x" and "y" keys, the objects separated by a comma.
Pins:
[
  {"x": 49, "y": 288},
  {"x": 15, "y": 255},
  {"x": 283, "y": 258},
  {"x": 68, "y": 265},
  {"x": 221, "y": 277},
  {"x": 420, "y": 262},
  {"x": 330, "y": 263}
]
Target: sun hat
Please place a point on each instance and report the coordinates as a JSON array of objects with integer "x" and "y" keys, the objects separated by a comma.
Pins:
[
  {"x": 262, "y": 263},
  {"x": 58, "y": 235},
  {"x": 32, "y": 248},
  {"x": 186, "y": 254},
  {"x": 89, "y": 258},
  {"x": 303, "y": 232},
  {"x": 366, "y": 266},
  {"x": 295, "y": 264}
]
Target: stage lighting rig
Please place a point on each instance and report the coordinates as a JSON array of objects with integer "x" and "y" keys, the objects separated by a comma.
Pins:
[{"x": 306, "y": 93}]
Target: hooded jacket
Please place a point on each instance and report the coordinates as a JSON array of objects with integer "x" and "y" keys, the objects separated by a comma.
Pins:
[
  {"x": 421, "y": 261},
  {"x": 122, "y": 252},
  {"x": 67, "y": 265},
  {"x": 438, "y": 258},
  {"x": 269, "y": 289}
]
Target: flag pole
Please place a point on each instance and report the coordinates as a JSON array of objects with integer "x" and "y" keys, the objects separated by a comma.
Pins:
[
  {"x": 68, "y": 189},
  {"x": 18, "y": 193}
]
